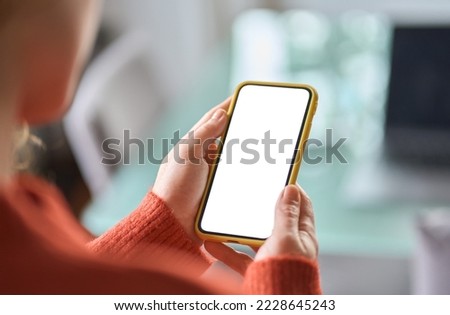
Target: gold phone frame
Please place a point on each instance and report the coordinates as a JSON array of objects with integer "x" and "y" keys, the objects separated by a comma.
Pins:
[{"x": 304, "y": 134}]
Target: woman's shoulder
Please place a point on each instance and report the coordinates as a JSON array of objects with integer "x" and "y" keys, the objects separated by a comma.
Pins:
[
  {"x": 31, "y": 190},
  {"x": 33, "y": 209},
  {"x": 44, "y": 251}
]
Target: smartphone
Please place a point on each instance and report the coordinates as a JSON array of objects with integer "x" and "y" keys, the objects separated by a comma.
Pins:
[{"x": 259, "y": 153}]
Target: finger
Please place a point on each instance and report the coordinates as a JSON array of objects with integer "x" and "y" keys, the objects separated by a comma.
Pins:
[
  {"x": 206, "y": 134},
  {"x": 224, "y": 105},
  {"x": 306, "y": 207},
  {"x": 287, "y": 211},
  {"x": 194, "y": 148},
  {"x": 213, "y": 127},
  {"x": 230, "y": 257},
  {"x": 194, "y": 145},
  {"x": 306, "y": 222},
  {"x": 211, "y": 152}
]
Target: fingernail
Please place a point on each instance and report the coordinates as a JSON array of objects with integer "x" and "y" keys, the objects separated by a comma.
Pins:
[
  {"x": 218, "y": 115},
  {"x": 291, "y": 193}
]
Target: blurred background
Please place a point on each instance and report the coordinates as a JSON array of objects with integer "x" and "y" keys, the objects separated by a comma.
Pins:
[{"x": 382, "y": 70}]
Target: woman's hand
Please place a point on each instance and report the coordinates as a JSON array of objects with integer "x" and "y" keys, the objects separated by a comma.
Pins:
[
  {"x": 182, "y": 179},
  {"x": 183, "y": 175},
  {"x": 293, "y": 234}
]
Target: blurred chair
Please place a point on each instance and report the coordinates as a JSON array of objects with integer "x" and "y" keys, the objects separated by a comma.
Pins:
[
  {"x": 431, "y": 272},
  {"x": 116, "y": 93}
]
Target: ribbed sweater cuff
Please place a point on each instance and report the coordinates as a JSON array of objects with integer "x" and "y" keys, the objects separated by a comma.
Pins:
[
  {"x": 152, "y": 223},
  {"x": 283, "y": 275}
]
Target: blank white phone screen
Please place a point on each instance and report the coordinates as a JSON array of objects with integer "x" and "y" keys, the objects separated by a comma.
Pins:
[{"x": 255, "y": 161}]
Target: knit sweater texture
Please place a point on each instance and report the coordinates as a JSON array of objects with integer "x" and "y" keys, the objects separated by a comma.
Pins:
[{"x": 44, "y": 250}]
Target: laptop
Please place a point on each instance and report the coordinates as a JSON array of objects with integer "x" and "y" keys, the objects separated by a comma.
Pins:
[
  {"x": 414, "y": 166},
  {"x": 417, "y": 129}
]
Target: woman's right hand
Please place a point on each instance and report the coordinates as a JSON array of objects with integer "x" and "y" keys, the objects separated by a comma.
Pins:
[{"x": 294, "y": 233}]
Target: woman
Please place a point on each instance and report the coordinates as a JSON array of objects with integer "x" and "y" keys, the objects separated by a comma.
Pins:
[{"x": 154, "y": 250}]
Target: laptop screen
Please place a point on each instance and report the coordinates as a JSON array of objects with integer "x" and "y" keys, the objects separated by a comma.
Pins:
[
  {"x": 418, "y": 104},
  {"x": 419, "y": 90}
]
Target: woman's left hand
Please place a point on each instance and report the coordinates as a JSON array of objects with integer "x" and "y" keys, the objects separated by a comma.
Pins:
[{"x": 183, "y": 175}]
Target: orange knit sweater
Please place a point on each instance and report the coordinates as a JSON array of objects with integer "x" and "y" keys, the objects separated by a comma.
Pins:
[{"x": 44, "y": 250}]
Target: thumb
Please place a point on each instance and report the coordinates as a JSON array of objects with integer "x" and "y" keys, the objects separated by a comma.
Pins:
[{"x": 287, "y": 211}]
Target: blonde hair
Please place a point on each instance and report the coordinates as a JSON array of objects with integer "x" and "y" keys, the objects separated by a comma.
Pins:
[{"x": 24, "y": 144}]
